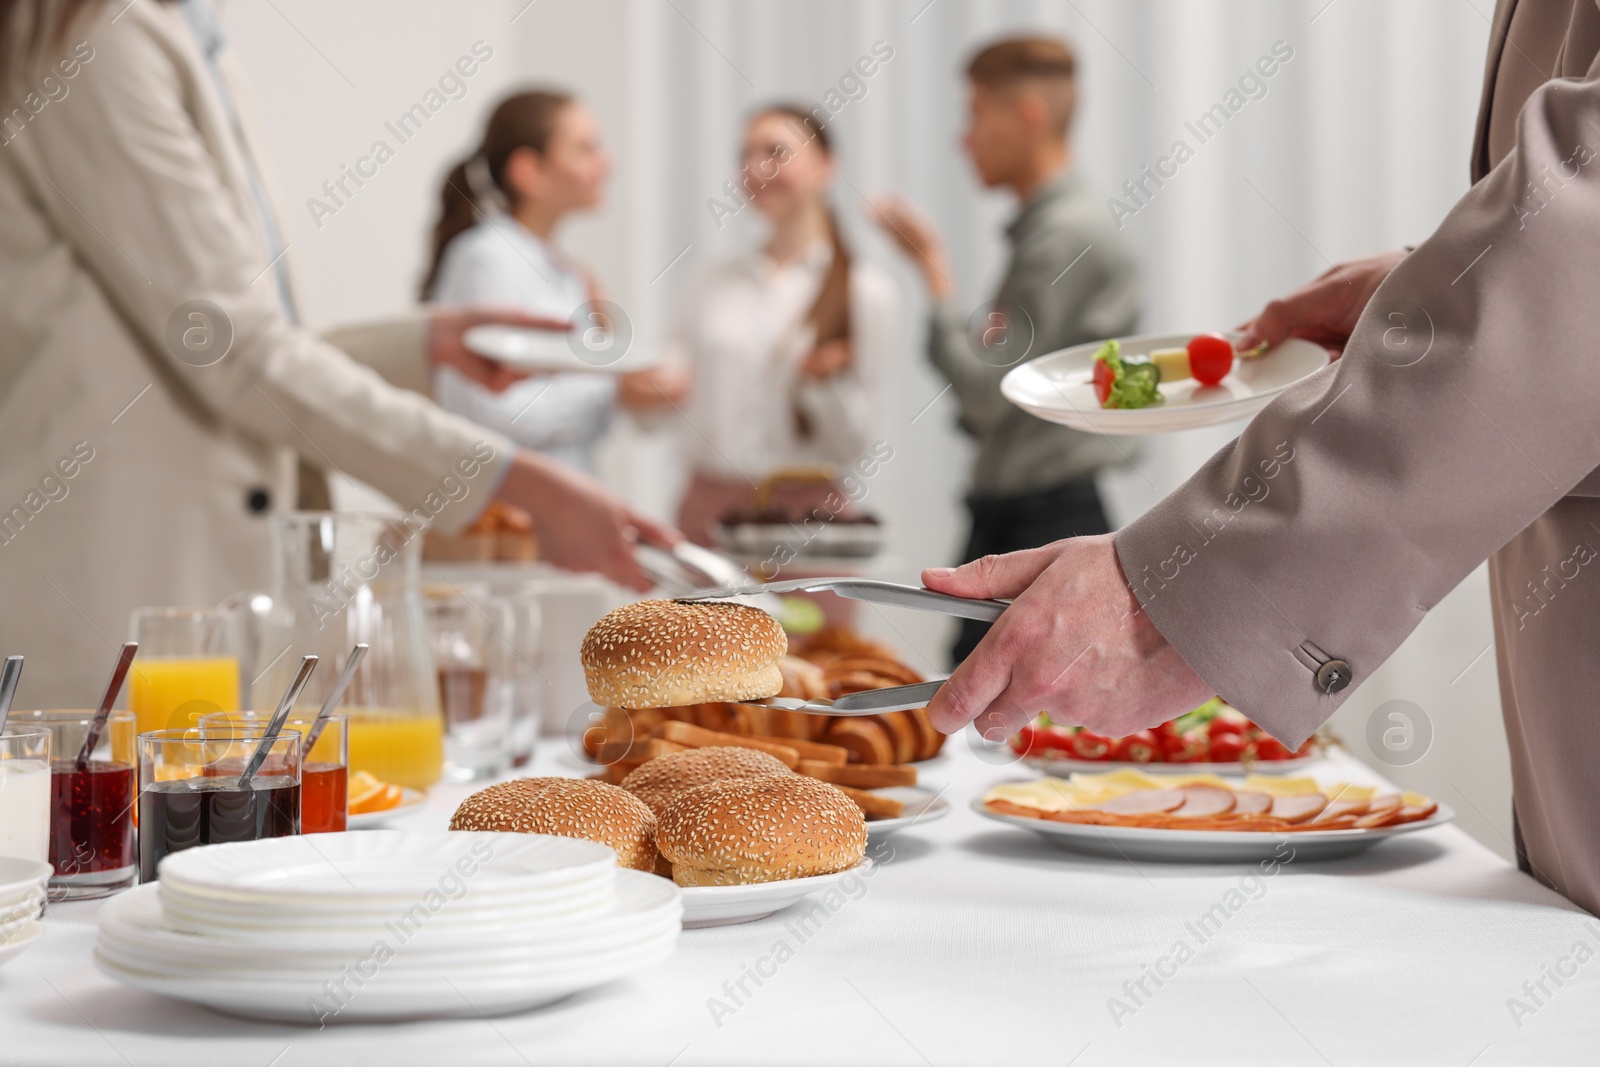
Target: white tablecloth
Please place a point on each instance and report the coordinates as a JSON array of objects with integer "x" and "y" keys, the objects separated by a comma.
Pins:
[{"x": 974, "y": 943}]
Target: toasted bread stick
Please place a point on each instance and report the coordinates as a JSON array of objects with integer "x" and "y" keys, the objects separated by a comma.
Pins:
[
  {"x": 698, "y": 737},
  {"x": 874, "y": 806},
  {"x": 860, "y": 775}
]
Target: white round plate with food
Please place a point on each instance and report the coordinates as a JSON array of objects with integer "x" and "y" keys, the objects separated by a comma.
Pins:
[
  {"x": 544, "y": 351},
  {"x": 1210, "y": 846},
  {"x": 725, "y": 905},
  {"x": 1059, "y": 765},
  {"x": 922, "y": 806},
  {"x": 1059, "y": 387},
  {"x": 410, "y": 799}
]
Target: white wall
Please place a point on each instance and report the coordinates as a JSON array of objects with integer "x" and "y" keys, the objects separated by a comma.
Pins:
[{"x": 1361, "y": 144}]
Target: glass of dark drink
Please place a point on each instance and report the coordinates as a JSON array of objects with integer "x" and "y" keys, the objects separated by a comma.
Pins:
[
  {"x": 191, "y": 791},
  {"x": 91, "y": 806},
  {"x": 324, "y": 771}
]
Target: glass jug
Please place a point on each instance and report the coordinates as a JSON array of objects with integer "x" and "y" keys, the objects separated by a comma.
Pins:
[{"x": 339, "y": 579}]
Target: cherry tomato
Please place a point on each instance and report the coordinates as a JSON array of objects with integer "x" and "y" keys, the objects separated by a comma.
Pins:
[
  {"x": 1086, "y": 744},
  {"x": 1225, "y": 748},
  {"x": 1307, "y": 749},
  {"x": 1186, "y": 748},
  {"x": 1026, "y": 742},
  {"x": 1141, "y": 747},
  {"x": 1103, "y": 377},
  {"x": 1220, "y": 725},
  {"x": 1056, "y": 737},
  {"x": 1270, "y": 748},
  {"x": 1210, "y": 358}
]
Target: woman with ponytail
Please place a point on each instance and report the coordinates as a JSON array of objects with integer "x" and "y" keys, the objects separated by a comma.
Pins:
[
  {"x": 541, "y": 160},
  {"x": 788, "y": 343}
]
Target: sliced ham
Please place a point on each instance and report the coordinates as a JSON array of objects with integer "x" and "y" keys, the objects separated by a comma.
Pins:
[
  {"x": 1415, "y": 812},
  {"x": 1249, "y": 802},
  {"x": 1301, "y": 807},
  {"x": 1143, "y": 802},
  {"x": 1338, "y": 809},
  {"x": 1204, "y": 801}
]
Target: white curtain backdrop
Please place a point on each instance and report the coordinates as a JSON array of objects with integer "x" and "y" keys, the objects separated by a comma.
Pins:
[{"x": 1360, "y": 143}]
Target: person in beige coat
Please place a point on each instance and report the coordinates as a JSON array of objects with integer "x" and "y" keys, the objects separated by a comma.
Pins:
[
  {"x": 158, "y": 398},
  {"x": 1461, "y": 424}
]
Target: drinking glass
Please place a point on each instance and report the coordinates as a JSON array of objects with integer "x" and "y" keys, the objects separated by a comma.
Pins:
[
  {"x": 25, "y": 793},
  {"x": 473, "y": 654},
  {"x": 339, "y": 579},
  {"x": 190, "y": 792},
  {"x": 187, "y": 666},
  {"x": 324, "y": 771},
  {"x": 91, "y": 807}
]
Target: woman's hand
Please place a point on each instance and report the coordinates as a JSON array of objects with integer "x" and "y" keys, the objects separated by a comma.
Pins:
[
  {"x": 826, "y": 360},
  {"x": 1325, "y": 310},
  {"x": 919, "y": 239},
  {"x": 1074, "y": 643},
  {"x": 447, "y": 349},
  {"x": 657, "y": 387},
  {"x": 579, "y": 523}
]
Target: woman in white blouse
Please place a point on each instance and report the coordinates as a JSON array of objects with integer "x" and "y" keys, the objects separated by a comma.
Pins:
[
  {"x": 788, "y": 344},
  {"x": 540, "y": 161}
]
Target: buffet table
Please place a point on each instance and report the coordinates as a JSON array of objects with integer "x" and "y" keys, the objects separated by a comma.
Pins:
[{"x": 974, "y": 943}]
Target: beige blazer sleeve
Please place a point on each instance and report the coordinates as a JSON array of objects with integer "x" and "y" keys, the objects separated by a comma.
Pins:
[
  {"x": 137, "y": 175},
  {"x": 1464, "y": 407}
]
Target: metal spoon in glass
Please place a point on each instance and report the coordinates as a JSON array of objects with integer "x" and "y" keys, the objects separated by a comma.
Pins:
[
  {"x": 279, "y": 717},
  {"x": 343, "y": 683},
  {"x": 118, "y": 674},
  {"x": 8, "y": 686}
]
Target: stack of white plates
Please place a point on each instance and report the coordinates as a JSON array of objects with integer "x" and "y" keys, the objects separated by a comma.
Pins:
[
  {"x": 387, "y": 924},
  {"x": 22, "y": 896}
]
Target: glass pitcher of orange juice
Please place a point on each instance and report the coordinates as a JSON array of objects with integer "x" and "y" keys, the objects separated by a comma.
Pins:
[{"x": 340, "y": 578}]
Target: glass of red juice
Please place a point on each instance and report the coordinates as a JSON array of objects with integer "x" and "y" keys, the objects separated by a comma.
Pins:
[
  {"x": 91, "y": 804},
  {"x": 324, "y": 771},
  {"x": 192, "y": 791}
]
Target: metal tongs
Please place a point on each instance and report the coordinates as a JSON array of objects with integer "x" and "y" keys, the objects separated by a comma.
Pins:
[{"x": 890, "y": 594}]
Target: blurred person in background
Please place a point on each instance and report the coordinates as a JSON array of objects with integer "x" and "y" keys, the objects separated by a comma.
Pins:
[
  {"x": 788, "y": 343},
  {"x": 1071, "y": 279},
  {"x": 540, "y": 161},
  {"x": 138, "y": 460}
]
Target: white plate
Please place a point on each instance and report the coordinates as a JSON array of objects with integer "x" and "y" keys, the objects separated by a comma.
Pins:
[
  {"x": 922, "y": 806},
  {"x": 371, "y": 820},
  {"x": 526, "y": 349},
  {"x": 1210, "y": 846},
  {"x": 724, "y": 905},
  {"x": 1059, "y": 387},
  {"x": 24, "y": 909},
  {"x": 18, "y": 941},
  {"x": 387, "y": 865},
  {"x": 137, "y": 934},
  {"x": 1067, "y": 765},
  {"x": 466, "y": 993},
  {"x": 21, "y": 878}
]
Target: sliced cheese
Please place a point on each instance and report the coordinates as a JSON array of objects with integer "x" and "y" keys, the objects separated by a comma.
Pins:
[{"x": 1274, "y": 786}]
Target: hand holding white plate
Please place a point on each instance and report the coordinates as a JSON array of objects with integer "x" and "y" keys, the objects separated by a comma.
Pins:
[{"x": 1059, "y": 387}]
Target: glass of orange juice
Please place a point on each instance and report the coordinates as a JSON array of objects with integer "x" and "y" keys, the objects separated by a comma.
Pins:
[{"x": 187, "y": 666}]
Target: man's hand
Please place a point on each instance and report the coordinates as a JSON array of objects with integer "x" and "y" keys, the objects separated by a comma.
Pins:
[
  {"x": 826, "y": 360},
  {"x": 919, "y": 239},
  {"x": 579, "y": 523},
  {"x": 1074, "y": 643},
  {"x": 1325, "y": 310},
  {"x": 446, "y": 348},
  {"x": 654, "y": 387}
]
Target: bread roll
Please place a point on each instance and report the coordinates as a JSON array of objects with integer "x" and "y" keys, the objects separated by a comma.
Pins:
[
  {"x": 568, "y": 807},
  {"x": 660, "y": 653},
  {"x": 764, "y": 829},
  {"x": 661, "y": 779}
]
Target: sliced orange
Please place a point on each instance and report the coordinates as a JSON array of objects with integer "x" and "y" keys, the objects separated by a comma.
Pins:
[{"x": 369, "y": 794}]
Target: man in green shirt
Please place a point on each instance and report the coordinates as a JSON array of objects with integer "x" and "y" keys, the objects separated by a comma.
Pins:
[{"x": 1071, "y": 279}]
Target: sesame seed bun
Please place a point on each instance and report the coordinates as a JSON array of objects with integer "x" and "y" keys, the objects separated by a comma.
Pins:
[
  {"x": 657, "y": 781},
  {"x": 765, "y": 829},
  {"x": 660, "y": 653},
  {"x": 567, "y": 807}
]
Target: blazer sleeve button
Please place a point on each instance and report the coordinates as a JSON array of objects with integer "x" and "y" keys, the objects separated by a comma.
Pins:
[
  {"x": 257, "y": 501},
  {"x": 1334, "y": 675}
]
